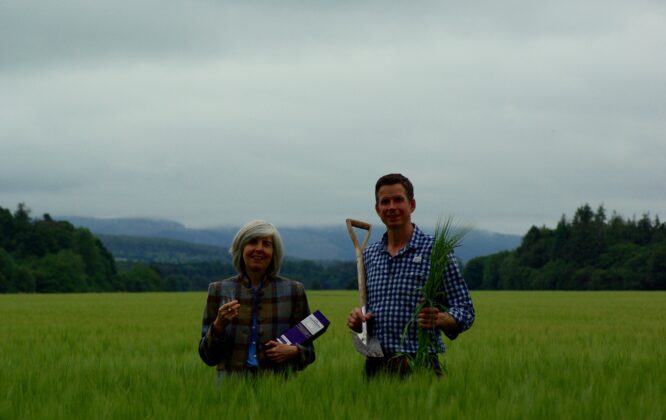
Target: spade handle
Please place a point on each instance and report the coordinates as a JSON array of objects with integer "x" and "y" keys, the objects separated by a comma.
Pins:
[{"x": 358, "y": 247}]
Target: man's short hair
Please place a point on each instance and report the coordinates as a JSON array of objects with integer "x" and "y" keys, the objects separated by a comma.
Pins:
[{"x": 392, "y": 179}]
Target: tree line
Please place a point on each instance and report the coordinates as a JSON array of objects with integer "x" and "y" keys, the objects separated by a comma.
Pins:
[
  {"x": 51, "y": 256},
  {"x": 589, "y": 252},
  {"x": 314, "y": 275},
  {"x": 48, "y": 256}
]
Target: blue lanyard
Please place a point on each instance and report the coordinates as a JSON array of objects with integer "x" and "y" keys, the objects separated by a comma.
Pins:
[{"x": 252, "y": 349}]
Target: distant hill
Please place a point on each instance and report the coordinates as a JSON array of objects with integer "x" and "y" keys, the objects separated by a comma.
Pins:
[
  {"x": 311, "y": 243},
  {"x": 161, "y": 250}
]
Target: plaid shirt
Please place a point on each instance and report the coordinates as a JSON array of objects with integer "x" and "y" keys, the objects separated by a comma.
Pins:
[
  {"x": 282, "y": 304},
  {"x": 394, "y": 286}
]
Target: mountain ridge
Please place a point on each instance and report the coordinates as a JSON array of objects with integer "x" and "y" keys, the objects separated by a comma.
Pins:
[{"x": 312, "y": 243}]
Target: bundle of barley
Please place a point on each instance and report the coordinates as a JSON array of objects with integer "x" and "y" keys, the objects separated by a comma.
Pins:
[{"x": 447, "y": 238}]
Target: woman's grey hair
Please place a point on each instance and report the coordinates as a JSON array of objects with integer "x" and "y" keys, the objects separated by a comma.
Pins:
[{"x": 257, "y": 229}]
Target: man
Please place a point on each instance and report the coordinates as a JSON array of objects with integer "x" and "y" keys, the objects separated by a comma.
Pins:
[{"x": 396, "y": 269}]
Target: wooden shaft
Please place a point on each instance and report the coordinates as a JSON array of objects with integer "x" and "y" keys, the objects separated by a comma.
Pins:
[
  {"x": 360, "y": 269},
  {"x": 360, "y": 273}
]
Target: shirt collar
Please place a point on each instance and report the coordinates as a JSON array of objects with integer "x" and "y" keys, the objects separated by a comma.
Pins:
[
  {"x": 245, "y": 281},
  {"x": 413, "y": 241}
]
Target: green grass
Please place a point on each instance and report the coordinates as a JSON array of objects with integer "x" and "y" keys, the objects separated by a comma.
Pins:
[{"x": 530, "y": 355}]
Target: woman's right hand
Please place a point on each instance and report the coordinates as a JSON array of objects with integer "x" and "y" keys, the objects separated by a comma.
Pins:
[{"x": 225, "y": 314}]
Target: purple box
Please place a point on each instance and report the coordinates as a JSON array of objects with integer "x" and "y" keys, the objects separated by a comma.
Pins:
[{"x": 307, "y": 330}]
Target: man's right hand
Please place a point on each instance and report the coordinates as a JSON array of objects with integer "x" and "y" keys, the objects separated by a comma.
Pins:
[{"x": 356, "y": 318}]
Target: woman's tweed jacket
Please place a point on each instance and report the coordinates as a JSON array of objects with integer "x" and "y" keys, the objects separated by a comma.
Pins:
[{"x": 282, "y": 304}]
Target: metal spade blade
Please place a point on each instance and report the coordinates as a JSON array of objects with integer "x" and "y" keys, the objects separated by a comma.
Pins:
[{"x": 365, "y": 344}]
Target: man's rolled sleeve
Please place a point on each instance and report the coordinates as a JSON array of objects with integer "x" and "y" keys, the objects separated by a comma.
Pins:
[{"x": 459, "y": 302}]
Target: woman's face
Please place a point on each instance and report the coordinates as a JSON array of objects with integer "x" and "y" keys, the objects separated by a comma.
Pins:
[{"x": 258, "y": 254}]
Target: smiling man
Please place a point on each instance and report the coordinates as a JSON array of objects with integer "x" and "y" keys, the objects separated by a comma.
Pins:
[{"x": 396, "y": 268}]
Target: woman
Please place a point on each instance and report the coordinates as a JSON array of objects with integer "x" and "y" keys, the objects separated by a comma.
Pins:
[{"x": 245, "y": 314}]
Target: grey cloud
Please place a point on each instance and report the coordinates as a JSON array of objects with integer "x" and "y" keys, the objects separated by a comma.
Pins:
[
  {"x": 68, "y": 31},
  {"x": 507, "y": 114}
]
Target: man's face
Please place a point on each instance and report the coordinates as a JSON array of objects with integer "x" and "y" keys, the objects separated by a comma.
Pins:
[{"x": 393, "y": 207}]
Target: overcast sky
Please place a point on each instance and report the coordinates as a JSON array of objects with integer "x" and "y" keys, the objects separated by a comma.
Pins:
[{"x": 503, "y": 114}]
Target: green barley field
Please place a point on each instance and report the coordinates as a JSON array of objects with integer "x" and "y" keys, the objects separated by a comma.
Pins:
[{"x": 557, "y": 355}]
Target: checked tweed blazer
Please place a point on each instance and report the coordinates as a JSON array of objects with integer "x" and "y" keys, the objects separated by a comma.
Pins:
[{"x": 281, "y": 304}]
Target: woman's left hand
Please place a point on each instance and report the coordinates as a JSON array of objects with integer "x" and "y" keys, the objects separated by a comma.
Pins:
[{"x": 280, "y": 353}]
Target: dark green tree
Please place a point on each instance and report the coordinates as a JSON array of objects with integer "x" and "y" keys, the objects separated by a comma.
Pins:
[
  {"x": 473, "y": 272},
  {"x": 99, "y": 266},
  {"x": 7, "y": 229},
  {"x": 140, "y": 278},
  {"x": 561, "y": 245},
  {"x": 533, "y": 251},
  {"x": 643, "y": 234},
  {"x": 23, "y": 280},
  {"x": 61, "y": 272},
  {"x": 589, "y": 253},
  {"x": 6, "y": 272},
  {"x": 656, "y": 268}
]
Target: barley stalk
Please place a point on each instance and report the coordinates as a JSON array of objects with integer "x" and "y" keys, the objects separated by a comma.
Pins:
[{"x": 447, "y": 238}]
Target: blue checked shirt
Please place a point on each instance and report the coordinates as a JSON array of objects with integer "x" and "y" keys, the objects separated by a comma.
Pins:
[{"x": 394, "y": 287}]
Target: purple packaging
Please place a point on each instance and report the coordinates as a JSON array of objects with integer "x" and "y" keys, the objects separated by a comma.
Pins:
[{"x": 308, "y": 329}]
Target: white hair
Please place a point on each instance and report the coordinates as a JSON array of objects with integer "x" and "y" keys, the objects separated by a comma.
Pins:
[{"x": 257, "y": 229}]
